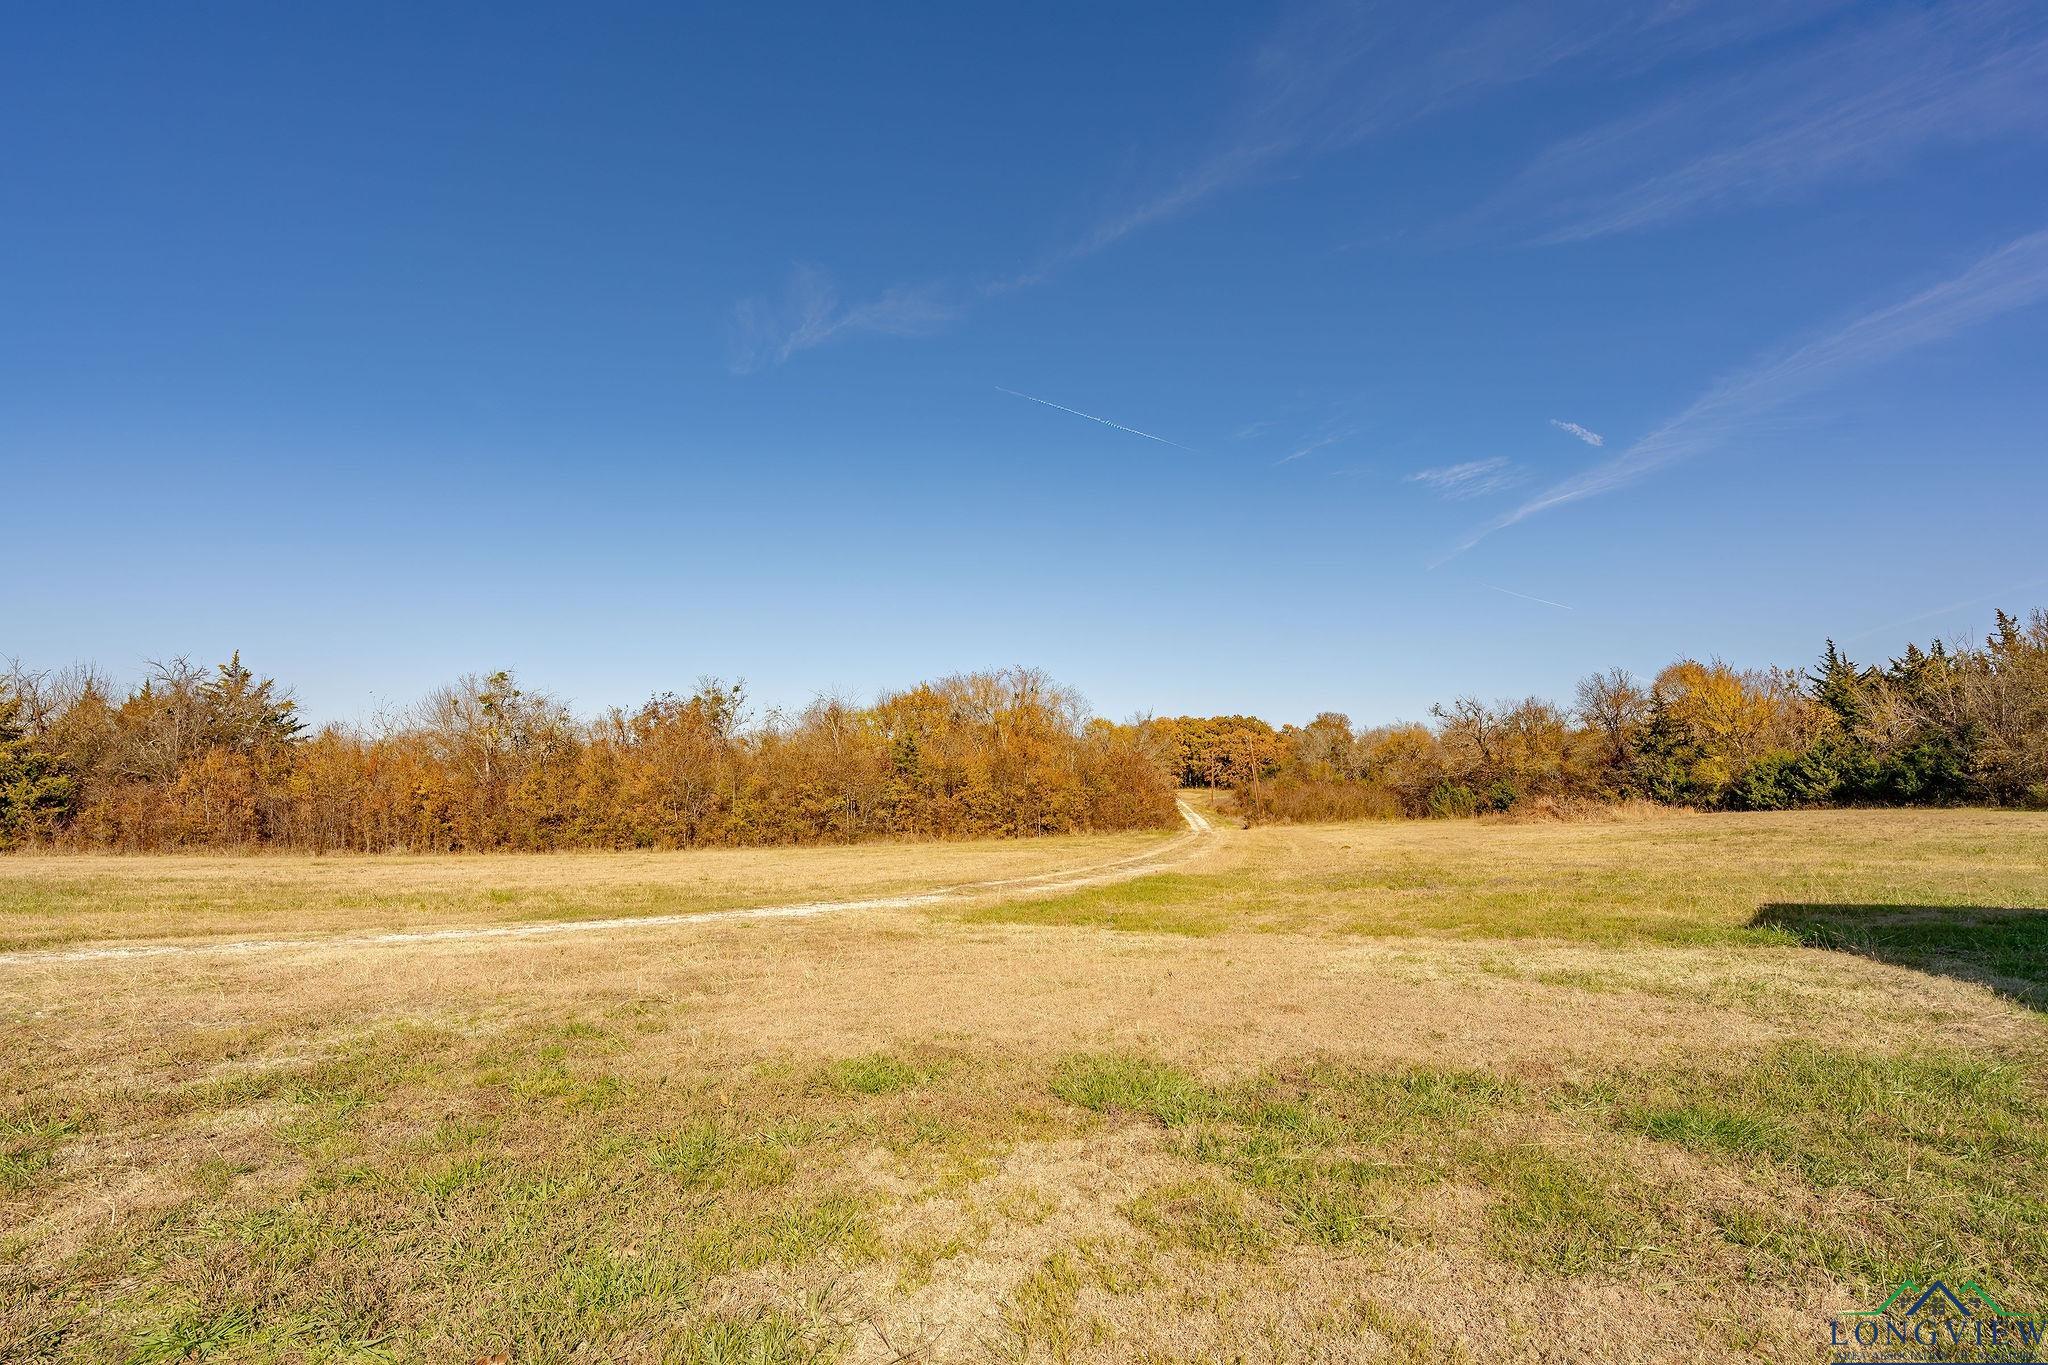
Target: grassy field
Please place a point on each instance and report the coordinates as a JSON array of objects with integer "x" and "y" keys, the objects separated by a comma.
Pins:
[{"x": 1675, "y": 1089}]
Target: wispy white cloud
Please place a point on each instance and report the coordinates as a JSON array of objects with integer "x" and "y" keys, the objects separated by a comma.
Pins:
[
  {"x": 2014, "y": 276},
  {"x": 1861, "y": 102},
  {"x": 1332, "y": 75},
  {"x": 1591, "y": 438},
  {"x": 1093, "y": 418},
  {"x": 1321, "y": 442},
  {"x": 1472, "y": 479},
  {"x": 1336, "y": 73},
  {"x": 1526, "y": 597},
  {"x": 809, "y": 313}
]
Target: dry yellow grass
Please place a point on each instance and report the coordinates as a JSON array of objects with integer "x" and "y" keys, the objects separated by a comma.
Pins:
[{"x": 1360, "y": 1092}]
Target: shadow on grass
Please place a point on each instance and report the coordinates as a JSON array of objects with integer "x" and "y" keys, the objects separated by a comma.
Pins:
[{"x": 2005, "y": 948}]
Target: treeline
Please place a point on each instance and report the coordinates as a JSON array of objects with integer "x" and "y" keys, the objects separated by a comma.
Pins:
[
  {"x": 192, "y": 758},
  {"x": 1935, "y": 726}
]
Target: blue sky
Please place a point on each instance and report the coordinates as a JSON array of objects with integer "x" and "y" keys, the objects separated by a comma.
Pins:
[{"x": 1436, "y": 349}]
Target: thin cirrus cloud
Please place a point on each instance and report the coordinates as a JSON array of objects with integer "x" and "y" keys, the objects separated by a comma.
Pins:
[
  {"x": 1859, "y": 103},
  {"x": 769, "y": 331},
  {"x": 1590, "y": 437},
  {"x": 1310, "y": 447},
  {"x": 2014, "y": 276},
  {"x": 1331, "y": 76},
  {"x": 1472, "y": 479}
]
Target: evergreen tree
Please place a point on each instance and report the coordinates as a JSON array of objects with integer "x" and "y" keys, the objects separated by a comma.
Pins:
[
  {"x": 32, "y": 791},
  {"x": 246, "y": 715},
  {"x": 2007, "y": 643},
  {"x": 1840, "y": 688}
]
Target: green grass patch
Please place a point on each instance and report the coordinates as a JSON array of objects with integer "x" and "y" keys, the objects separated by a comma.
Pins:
[
  {"x": 713, "y": 1155},
  {"x": 1338, "y": 1152},
  {"x": 2005, "y": 949},
  {"x": 877, "y": 1073},
  {"x": 194, "y": 1333},
  {"x": 1562, "y": 1215},
  {"x": 1864, "y": 1166},
  {"x": 1205, "y": 1216},
  {"x": 1935, "y": 1156},
  {"x": 29, "y": 1139},
  {"x": 1710, "y": 1125},
  {"x": 764, "y": 1337},
  {"x": 1115, "y": 1082}
]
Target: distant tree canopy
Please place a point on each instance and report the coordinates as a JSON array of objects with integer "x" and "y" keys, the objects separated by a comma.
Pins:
[
  {"x": 1934, "y": 726},
  {"x": 190, "y": 759},
  {"x": 197, "y": 759},
  {"x": 1215, "y": 751}
]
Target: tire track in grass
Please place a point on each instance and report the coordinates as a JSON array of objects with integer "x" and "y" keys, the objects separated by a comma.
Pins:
[{"x": 1169, "y": 855}]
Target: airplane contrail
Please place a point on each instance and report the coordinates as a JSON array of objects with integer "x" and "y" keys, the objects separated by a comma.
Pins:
[
  {"x": 1527, "y": 598},
  {"x": 1104, "y": 420},
  {"x": 1943, "y": 611}
]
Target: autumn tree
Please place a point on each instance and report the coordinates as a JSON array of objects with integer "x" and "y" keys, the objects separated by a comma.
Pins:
[
  {"x": 1611, "y": 708},
  {"x": 1709, "y": 723}
]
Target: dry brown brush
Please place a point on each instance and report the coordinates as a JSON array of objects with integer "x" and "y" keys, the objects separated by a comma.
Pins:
[{"x": 189, "y": 759}]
